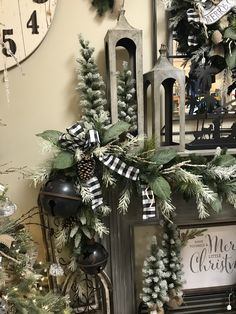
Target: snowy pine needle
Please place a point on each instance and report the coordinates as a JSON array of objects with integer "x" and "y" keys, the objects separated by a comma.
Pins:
[
  {"x": 124, "y": 201},
  {"x": 105, "y": 210},
  {"x": 222, "y": 173},
  {"x": 73, "y": 264},
  {"x": 100, "y": 151},
  {"x": 100, "y": 228},
  {"x": 193, "y": 186},
  {"x": 38, "y": 175},
  {"x": 85, "y": 194},
  {"x": 48, "y": 147},
  {"x": 107, "y": 178},
  {"x": 166, "y": 207},
  {"x": 61, "y": 238}
]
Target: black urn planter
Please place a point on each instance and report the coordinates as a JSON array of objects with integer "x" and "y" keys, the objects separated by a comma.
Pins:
[
  {"x": 93, "y": 257},
  {"x": 59, "y": 197}
]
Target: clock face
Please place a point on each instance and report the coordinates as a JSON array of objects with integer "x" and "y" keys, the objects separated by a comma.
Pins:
[{"x": 23, "y": 25}]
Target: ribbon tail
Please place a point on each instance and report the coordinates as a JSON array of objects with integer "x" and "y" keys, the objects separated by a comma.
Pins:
[
  {"x": 96, "y": 192},
  {"x": 148, "y": 202}
]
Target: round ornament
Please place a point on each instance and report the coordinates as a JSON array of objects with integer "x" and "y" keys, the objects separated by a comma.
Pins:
[
  {"x": 56, "y": 270},
  {"x": 59, "y": 197},
  {"x": 93, "y": 258},
  {"x": 7, "y": 208},
  {"x": 24, "y": 24}
]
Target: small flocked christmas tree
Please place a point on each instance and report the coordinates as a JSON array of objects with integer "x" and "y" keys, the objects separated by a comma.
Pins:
[
  {"x": 155, "y": 274},
  {"x": 172, "y": 246},
  {"x": 92, "y": 89},
  {"x": 127, "y": 105}
]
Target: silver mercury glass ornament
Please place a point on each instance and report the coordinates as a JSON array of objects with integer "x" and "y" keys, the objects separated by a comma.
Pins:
[{"x": 7, "y": 208}]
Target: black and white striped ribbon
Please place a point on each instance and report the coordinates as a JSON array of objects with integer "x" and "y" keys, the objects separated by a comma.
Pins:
[
  {"x": 117, "y": 165},
  {"x": 148, "y": 201},
  {"x": 78, "y": 137},
  {"x": 193, "y": 16},
  {"x": 192, "y": 40},
  {"x": 96, "y": 192}
]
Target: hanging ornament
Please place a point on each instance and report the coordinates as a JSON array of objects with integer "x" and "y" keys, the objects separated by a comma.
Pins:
[
  {"x": 59, "y": 197},
  {"x": 3, "y": 306},
  {"x": 93, "y": 257},
  {"x": 217, "y": 37},
  {"x": 7, "y": 208},
  {"x": 56, "y": 270}
]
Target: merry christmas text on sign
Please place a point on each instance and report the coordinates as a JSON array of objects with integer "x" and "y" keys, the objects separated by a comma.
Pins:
[
  {"x": 213, "y": 15},
  {"x": 210, "y": 259}
]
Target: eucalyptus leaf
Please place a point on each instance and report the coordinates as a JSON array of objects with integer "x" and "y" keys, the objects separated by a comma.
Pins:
[
  {"x": 231, "y": 59},
  {"x": 230, "y": 33},
  {"x": 74, "y": 231},
  {"x": 216, "y": 204},
  {"x": 161, "y": 188},
  {"x": 51, "y": 136},
  {"x": 224, "y": 160},
  {"x": 115, "y": 131},
  {"x": 78, "y": 239},
  {"x": 86, "y": 232},
  {"x": 63, "y": 160},
  {"x": 164, "y": 156},
  {"x": 83, "y": 219}
]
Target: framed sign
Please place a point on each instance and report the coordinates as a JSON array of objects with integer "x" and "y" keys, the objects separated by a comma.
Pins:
[{"x": 209, "y": 260}]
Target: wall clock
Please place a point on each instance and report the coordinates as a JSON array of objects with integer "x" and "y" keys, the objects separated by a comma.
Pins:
[{"x": 23, "y": 26}]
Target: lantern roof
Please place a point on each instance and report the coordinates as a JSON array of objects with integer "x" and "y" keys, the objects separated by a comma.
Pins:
[
  {"x": 122, "y": 22},
  {"x": 163, "y": 62}
]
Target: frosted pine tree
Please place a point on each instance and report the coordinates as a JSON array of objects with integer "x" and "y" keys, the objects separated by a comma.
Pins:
[
  {"x": 171, "y": 244},
  {"x": 155, "y": 279},
  {"x": 92, "y": 89},
  {"x": 126, "y": 94}
]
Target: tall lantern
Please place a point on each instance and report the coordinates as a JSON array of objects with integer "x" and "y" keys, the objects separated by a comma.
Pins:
[
  {"x": 130, "y": 38},
  {"x": 166, "y": 75}
]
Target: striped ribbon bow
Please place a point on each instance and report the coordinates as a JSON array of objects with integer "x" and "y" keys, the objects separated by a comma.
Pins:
[{"x": 77, "y": 137}]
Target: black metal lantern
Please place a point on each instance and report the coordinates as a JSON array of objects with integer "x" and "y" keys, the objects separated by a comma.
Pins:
[
  {"x": 59, "y": 197},
  {"x": 93, "y": 257}
]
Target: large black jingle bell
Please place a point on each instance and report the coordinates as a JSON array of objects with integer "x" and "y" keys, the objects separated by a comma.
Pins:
[
  {"x": 59, "y": 197},
  {"x": 93, "y": 257}
]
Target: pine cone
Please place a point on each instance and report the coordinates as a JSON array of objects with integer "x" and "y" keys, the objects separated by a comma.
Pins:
[{"x": 86, "y": 168}]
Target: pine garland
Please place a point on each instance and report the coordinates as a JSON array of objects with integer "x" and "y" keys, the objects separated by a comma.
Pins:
[{"x": 209, "y": 181}]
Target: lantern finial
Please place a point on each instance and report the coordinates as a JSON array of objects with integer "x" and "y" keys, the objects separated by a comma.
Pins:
[{"x": 163, "y": 50}]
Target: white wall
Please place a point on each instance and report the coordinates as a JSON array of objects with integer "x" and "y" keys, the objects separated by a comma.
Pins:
[{"x": 45, "y": 97}]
